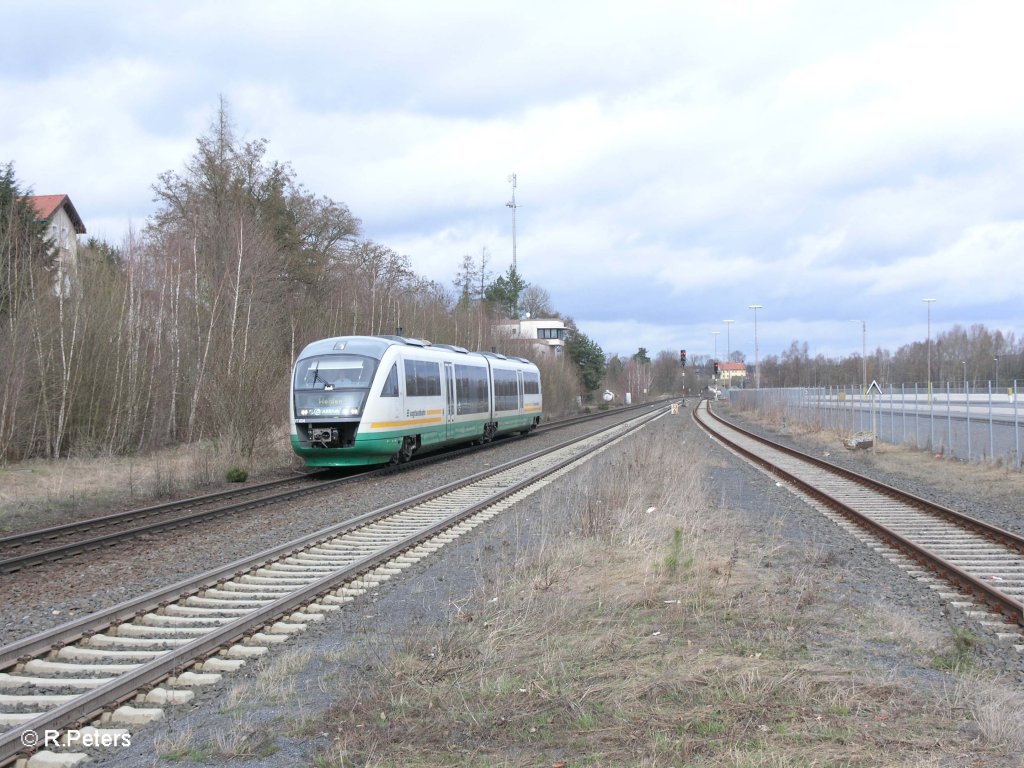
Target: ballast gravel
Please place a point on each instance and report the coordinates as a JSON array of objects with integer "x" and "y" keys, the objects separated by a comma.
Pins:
[
  {"x": 43, "y": 597},
  {"x": 437, "y": 588}
]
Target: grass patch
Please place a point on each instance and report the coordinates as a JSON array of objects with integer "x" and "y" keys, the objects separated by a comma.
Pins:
[
  {"x": 39, "y": 492},
  {"x": 959, "y": 654},
  {"x": 643, "y": 631}
]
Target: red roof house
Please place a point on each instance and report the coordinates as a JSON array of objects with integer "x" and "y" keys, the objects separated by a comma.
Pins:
[{"x": 64, "y": 225}]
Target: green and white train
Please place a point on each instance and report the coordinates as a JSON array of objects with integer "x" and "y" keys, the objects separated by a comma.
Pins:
[{"x": 359, "y": 400}]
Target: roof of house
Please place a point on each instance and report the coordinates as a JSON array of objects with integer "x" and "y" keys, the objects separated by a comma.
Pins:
[
  {"x": 732, "y": 367},
  {"x": 47, "y": 205}
]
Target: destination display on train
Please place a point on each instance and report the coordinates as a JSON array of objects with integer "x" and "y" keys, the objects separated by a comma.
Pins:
[{"x": 312, "y": 405}]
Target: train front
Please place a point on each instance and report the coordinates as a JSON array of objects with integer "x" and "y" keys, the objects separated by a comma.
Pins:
[{"x": 331, "y": 387}]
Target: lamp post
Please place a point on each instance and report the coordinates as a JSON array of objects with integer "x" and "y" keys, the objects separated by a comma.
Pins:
[
  {"x": 716, "y": 334},
  {"x": 757, "y": 358},
  {"x": 929, "y": 303},
  {"x": 964, "y": 364},
  {"x": 863, "y": 354},
  {"x": 996, "y": 358},
  {"x": 728, "y": 340}
]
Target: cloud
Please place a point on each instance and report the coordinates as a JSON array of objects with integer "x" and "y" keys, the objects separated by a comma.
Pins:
[{"x": 676, "y": 162}]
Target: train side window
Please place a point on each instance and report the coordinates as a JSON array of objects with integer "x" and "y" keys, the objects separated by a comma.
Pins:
[
  {"x": 531, "y": 383},
  {"x": 390, "y": 388},
  {"x": 422, "y": 379}
]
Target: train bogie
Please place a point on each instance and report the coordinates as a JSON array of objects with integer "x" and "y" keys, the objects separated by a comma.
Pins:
[{"x": 363, "y": 400}]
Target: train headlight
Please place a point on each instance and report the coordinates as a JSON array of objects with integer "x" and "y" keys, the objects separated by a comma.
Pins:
[{"x": 304, "y": 412}]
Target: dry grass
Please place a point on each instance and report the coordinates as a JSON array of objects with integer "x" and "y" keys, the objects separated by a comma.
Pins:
[
  {"x": 274, "y": 682},
  {"x": 41, "y": 492},
  {"x": 642, "y": 633}
]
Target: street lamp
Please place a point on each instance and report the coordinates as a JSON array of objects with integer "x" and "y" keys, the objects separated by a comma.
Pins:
[
  {"x": 716, "y": 334},
  {"x": 863, "y": 353},
  {"x": 996, "y": 358},
  {"x": 757, "y": 359},
  {"x": 929, "y": 303},
  {"x": 728, "y": 340},
  {"x": 964, "y": 364}
]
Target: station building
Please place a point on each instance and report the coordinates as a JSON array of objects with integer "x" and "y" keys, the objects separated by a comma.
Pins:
[
  {"x": 732, "y": 374},
  {"x": 546, "y": 336}
]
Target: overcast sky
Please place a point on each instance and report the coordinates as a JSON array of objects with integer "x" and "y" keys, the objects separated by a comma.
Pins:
[{"x": 676, "y": 162}]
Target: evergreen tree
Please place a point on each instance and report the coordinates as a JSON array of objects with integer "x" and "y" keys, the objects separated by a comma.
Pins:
[
  {"x": 588, "y": 357},
  {"x": 504, "y": 292},
  {"x": 24, "y": 244}
]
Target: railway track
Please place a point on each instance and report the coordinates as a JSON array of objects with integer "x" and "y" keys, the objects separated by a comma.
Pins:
[
  {"x": 118, "y": 667},
  {"x": 31, "y": 548},
  {"x": 37, "y": 547},
  {"x": 979, "y": 559}
]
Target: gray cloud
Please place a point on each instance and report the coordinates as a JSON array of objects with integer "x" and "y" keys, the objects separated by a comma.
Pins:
[{"x": 676, "y": 162}]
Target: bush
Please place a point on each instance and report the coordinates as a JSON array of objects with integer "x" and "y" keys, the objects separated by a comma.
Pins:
[{"x": 236, "y": 475}]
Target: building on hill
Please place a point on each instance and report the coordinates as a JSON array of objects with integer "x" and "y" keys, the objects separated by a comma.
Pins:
[
  {"x": 64, "y": 226},
  {"x": 546, "y": 336}
]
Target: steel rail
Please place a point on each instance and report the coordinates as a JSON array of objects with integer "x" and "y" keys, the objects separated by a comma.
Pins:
[
  {"x": 997, "y": 534},
  {"x": 69, "y": 549},
  {"x": 39, "y": 535},
  {"x": 1003, "y": 603},
  {"x": 81, "y": 546},
  {"x": 88, "y": 705},
  {"x": 74, "y": 630}
]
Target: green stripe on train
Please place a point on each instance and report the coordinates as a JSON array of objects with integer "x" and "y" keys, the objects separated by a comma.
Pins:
[{"x": 378, "y": 447}]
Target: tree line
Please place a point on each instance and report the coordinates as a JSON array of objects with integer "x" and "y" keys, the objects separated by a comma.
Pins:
[
  {"x": 976, "y": 354},
  {"x": 187, "y": 329}
]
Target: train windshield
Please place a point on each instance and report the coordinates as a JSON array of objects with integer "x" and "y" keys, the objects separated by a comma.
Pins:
[
  {"x": 335, "y": 372},
  {"x": 332, "y": 385}
]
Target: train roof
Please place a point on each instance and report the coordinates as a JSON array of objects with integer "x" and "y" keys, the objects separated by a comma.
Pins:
[
  {"x": 370, "y": 346},
  {"x": 375, "y": 346}
]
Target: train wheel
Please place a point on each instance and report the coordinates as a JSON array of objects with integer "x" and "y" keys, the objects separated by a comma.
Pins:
[{"x": 406, "y": 451}]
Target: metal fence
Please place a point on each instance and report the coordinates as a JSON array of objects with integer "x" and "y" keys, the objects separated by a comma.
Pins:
[{"x": 972, "y": 424}]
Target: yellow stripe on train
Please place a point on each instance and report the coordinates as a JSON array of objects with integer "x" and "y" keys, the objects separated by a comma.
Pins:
[{"x": 405, "y": 423}]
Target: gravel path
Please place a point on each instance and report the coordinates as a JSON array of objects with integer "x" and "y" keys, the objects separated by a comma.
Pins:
[{"x": 783, "y": 530}]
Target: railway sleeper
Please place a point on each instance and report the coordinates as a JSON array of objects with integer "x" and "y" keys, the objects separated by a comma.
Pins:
[
  {"x": 140, "y": 630},
  {"x": 170, "y": 620},
  {"x": 232, "y": 597},
  {"x": 77, "y": 653},
  {"x": 219, "y": 664},
  {"x": 239, "y": 651},
  {"x": 129, "y": 715},
  {"x": 198, "y": 610},
  {"x": 15, "y": 681},
  {"x": 48, "y": 668},
  {"x": 112, "y": 641}
]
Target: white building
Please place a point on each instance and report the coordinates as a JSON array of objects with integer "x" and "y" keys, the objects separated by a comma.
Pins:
[
  {"x": 547, "y": 336},
  {"x": 64, "y": 226}
]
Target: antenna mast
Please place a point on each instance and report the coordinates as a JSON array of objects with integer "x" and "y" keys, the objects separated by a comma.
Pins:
[{"x": 512, "y": 204}]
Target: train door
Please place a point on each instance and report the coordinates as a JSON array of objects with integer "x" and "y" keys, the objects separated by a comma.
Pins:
[
  {"x": 519, "y": 389},
  {"x": 450, "y": 407}
]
